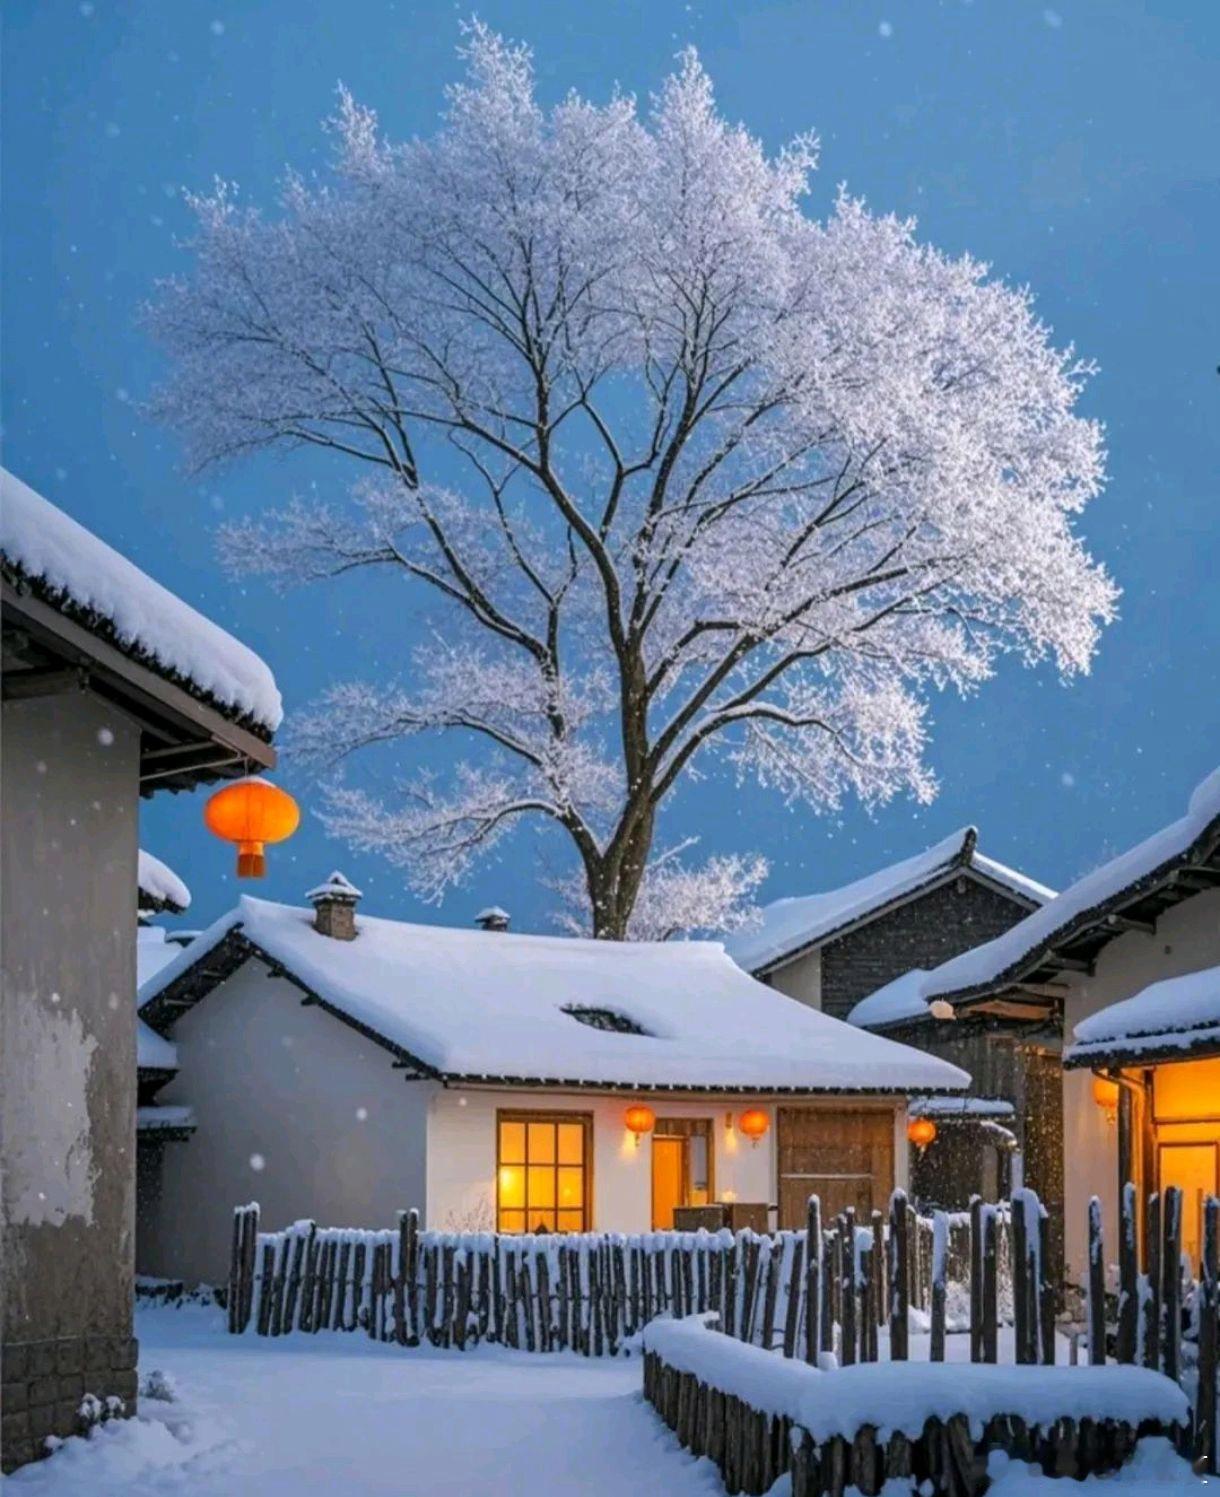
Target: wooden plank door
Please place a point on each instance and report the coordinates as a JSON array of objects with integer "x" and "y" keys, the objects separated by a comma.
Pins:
[
  {"x": 668, "y": 1180},
  {"x": 846, "y": 1157}
]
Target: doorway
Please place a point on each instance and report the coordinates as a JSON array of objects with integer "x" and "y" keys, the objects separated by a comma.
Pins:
[
  {"x": 681, "y": 1167},
  {"x": 1192, "y": 1168}
]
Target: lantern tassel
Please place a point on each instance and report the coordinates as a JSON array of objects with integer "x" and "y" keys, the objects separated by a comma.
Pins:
[{"x": 251, "y": 860}]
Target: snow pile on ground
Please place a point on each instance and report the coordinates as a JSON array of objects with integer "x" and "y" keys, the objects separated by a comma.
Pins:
[
  {"x": 893, "y": 1398},
  {"x": 471, "y": 1005},
  {"x": 340, "y": 1416},
  {"x": 1183, "y": 1011},
  {"x": 787, "y": 925},
  {"x": 76, "y": 568},
  {"x": 160, "y": 886}
]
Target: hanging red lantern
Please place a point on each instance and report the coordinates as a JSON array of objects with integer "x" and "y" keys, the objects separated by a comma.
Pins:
[
  {"x": 921, "y": 1132},
  {"x": 640, "y": 1120},
  {"x": 754, "y": 1123},
  {"x": 251, "y": 813},
  {"x": 1105, "y": 1094}
]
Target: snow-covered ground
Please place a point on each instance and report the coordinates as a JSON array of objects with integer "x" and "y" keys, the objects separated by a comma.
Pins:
[{"x": 336, "y": 1414}]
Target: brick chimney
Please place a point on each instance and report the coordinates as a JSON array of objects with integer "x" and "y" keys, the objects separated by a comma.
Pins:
[
  {"x": 492, "y": 918},
  {"x": 334, "y": 907}
]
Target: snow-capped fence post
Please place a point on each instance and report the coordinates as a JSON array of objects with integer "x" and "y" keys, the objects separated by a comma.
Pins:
[
  {"x": 940, "y": 1248},
  {"x": 1207, "y": 1442},
  {"x": 990, "y": 1305},
  {"x": 847, "y": 1287},
  {"x": 813, "y": 1278},
  {"x": 774, "y": 1260},
  {"x": 1171, "y": 1282},
  {"x": 1048, "y": 1294},
  {"x": 241, "y": 1267},
  {"x": 1022, "y": 1338},
  {"x": 880, "y": 1309},
  {"x": 1152, "y": 1283},
  {"x": 1096, "y": 1286},
  {"x": 792, "y": 1309},
  {"x": 1128, "y": 1276},
  {"x": 976, "y": 1278},
  {"x": 900, "y": 1278}
]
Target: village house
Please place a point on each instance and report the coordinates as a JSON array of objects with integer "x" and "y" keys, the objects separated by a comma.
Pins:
[
  {"x": 1128, "y": 956},
  {"x": 161, "y": 892},
  {"x": 341, "y": 1067},
  {"x": 113, "y": 688},
  {"x": 857, "y": 952}
]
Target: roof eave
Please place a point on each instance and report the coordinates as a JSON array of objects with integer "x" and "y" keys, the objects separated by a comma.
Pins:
[{"x": 187, "y": 738}]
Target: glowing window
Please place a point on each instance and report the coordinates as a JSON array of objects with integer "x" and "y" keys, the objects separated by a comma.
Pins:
[{"x": 543, "y": 1171}]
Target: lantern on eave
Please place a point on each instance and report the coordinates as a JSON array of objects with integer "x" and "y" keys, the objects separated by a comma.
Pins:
[
  {"x": 1105, "y": 1094},
  {"x": 754, "y": 1123},
  {"x": 251, "y": 813},
  {"x": 921, "y": 1132},
  {"x": 640, "y": 1120}
]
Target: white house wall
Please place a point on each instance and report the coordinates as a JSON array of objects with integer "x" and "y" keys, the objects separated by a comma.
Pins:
[
  {"x": 801, "y": 979},
  {"x": 1187, "y": 938},
  {"x": 295, "y": 1110},
  {"x": 462, "y": 1154}
]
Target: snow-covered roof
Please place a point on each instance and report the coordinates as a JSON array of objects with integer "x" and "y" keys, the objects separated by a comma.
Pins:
[
  {"x": 160, "y": 887},
  {"x": 1019, "y": 950},
  {"x": 790, "y": 926},
  {"x": 898, "y": 1002},
  {"x": 165, "y": 1118},
  {"x": 153, "y": 1051},
  {"x": 336, "y": 885},
  {"x": 1176, "y": 1016},
  {"x": 87, "y": 579},
  {"x": 463, "y": 1007},
  {"x": 960, "y": 1107},
  {"x": 493, "y": 912}
]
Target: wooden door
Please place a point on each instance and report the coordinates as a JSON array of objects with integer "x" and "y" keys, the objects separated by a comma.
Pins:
[
  {"x": 846, "y": 1157},
  {"x": 1192, "y": 1168},
  {"x": 668, "y": 1180}
]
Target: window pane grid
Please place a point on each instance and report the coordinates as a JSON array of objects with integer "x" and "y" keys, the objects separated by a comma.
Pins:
[{"x": 541, "y": 1176}]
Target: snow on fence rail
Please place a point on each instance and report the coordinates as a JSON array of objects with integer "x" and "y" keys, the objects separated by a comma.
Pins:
[
  {"x": 591, "y": 1292},
  {"x": 757, "y": 1417}
]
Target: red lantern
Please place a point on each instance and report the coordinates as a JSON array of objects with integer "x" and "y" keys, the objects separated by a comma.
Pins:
[
  {"x": 921, "y": 1132},
  {"x": 251, "y": 813},
  {"x": 1105, "y": 1094},
  {"x": 754, "y": 1123},
  {"x": 640, "y": 1120}
]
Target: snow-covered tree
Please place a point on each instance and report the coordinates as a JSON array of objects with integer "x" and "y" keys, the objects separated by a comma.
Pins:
[{"x": 688, "y": 473}]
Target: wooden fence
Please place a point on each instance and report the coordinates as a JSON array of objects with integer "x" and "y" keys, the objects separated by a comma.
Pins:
[{"x": 591, "y": 1292}]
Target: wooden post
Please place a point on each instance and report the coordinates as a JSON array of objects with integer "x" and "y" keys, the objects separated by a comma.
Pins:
[
  {"x": 813, "y": 1279},
  {"x": 880, "y": 1306},
  {"x": 900, "y": 1278},
  {"x": 1047, "y": 1293},
  {"x": 1097, "y": 1286},
  {"x": 411, "y": 1273},
  {"x": 1022, "y": 1339},
  {"x": 792, "y": 1311},
  {"x": 847, "y": 1287},
  {"x": 991, "y": 1275},
  {"x": 1171, "y": 1283},
  {"x": 1207, "y": 1443},
  {"x": 1152, "y": 1298},
  {"x": 235, "y": 1253},
  {"x": 1128, "y": 1278},
  {"x": 266, "y": 1273},
  {"x": 774, "y": 1264},
  {"x": 940, "y": 1248},
  {"x": 976, "y": 1278}
]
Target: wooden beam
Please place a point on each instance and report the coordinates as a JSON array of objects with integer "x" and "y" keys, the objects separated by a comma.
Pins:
[{"x": 20, "y": 686}]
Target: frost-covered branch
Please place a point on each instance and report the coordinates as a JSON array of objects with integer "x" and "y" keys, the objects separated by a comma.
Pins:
[{"x": 684, "y": 474}]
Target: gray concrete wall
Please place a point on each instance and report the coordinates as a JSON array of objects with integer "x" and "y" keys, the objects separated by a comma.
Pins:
[
  {"x": 294, "y": 1110},
  {"x": 68, "y": 789}
]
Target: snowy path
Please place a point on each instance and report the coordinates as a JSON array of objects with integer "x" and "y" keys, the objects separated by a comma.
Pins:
[{"x": 336, "y": 1415}]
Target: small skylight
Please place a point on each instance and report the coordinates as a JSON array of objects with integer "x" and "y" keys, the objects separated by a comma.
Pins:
[{"x": 603, "y": 1018}]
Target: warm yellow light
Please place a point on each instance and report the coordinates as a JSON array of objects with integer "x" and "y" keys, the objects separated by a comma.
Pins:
[
  {"x": 1105, "y": 1094},
  {"x": 640, "y": 1120},
  {"x": 754, "y": 1123},
  {"x": 921, "y": 1132},
  {"x": 512, "y": 1187}
]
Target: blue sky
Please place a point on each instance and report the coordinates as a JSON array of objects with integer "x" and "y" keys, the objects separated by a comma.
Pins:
[{"x": 1075, "y": 147}]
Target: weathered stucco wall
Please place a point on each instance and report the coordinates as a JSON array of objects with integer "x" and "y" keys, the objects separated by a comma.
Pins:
[
  {"x": 67, "y": 1061},
  {"x": 800, "y": 979},
  {"x": 294, "y": 1110},
  {"x": 1186, "y": 939}
]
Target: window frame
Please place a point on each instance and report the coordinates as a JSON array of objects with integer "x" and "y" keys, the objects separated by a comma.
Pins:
[{"x": 533, "y": 1115}]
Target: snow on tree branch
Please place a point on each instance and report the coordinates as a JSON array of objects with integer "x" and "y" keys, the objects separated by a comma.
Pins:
[{"x": 683, "y": 473}]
